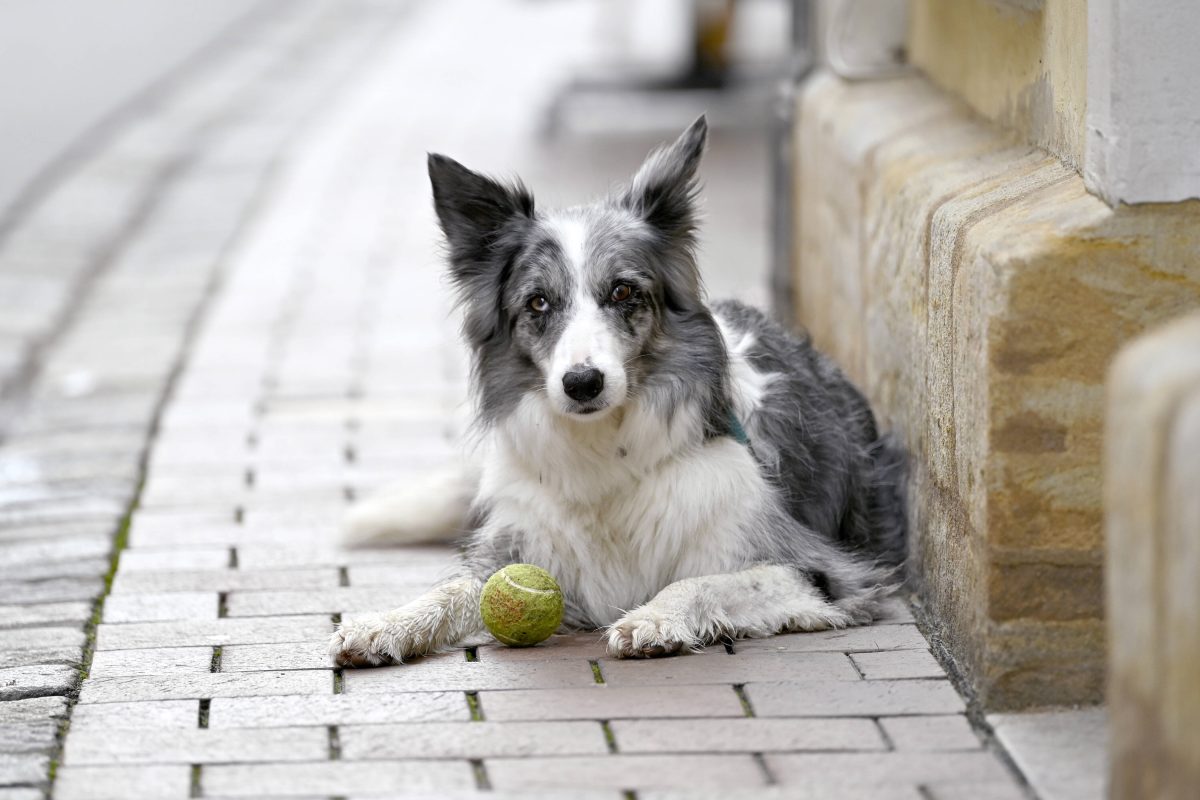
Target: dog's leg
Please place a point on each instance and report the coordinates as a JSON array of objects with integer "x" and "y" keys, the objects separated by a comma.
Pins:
[
  {"x": 442, "y": 617},
  {"x": 693, "y": 612}
]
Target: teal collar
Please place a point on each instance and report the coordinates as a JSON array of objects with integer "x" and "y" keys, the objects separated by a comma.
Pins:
[{"x": 736, "y": 430}]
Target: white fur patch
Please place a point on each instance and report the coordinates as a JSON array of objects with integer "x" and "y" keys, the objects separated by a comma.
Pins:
[
  {"x": 747, "y": 386},
  {"x": 587, "y": 340},
  {"x": 618, "y": 509}
]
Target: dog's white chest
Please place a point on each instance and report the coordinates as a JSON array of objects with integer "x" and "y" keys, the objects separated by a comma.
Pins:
[{"x": 614, "y": 532}]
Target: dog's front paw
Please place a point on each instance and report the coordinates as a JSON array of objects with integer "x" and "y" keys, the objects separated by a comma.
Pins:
[
  {"x": 363, "y": 642},
  {"x": 647, "y": 633}
]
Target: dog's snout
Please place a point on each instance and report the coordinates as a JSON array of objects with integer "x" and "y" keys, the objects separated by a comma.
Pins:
[{"x": 583, "y": 383}]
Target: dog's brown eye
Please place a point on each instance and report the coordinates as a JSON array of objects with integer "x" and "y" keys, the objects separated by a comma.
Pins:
[
  {"x": 621, "y": 292},
  {"x": 538, "y": 304}
]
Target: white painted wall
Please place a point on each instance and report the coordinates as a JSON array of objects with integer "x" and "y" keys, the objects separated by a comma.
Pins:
[
  {"x": 1143, "y": 95},
  {"x": 66, "y": 64}
]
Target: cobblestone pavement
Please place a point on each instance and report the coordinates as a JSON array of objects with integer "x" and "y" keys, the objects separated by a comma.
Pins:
[{"x": 250, "y": 330}]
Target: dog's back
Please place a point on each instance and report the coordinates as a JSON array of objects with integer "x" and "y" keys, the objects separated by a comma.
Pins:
[{"x": 815, "y": 434}]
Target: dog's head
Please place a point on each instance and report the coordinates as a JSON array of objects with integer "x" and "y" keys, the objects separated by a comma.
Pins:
[{"x": 582, "y": 304}]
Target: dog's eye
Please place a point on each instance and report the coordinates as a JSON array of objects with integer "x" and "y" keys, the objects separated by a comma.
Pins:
[
  {"x": 538, "y": 304},
  {"x": 621, "y": 292}
]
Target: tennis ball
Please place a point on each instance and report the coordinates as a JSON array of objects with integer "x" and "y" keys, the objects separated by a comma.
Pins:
[{"x": 521, "y": 605}]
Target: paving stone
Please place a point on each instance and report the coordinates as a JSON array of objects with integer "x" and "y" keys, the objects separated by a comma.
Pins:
[
  {"x": 151, "y": 661},
  {"x": 172, "y": 687},
  {"x": 21, "y": 794},
  {"x": 29, "y": 737},
  {"x": 610, "y": 702},
  {"x": 18, "y": 768},
  {"x": 848, "y": 640},
  {"x": 51, "y": 591},
  {"x": 69, "y": 530},
  {"x": 745, "y": 735},
  {"x": 34, "y": 709},
  {"x": 50, "y": 637},
  {"x": 566, "y": 647},
  {"x": 51, "y": 570},
  {"x": 37, "y": 680},
  {"x": 336, "y": 778},
  {"x": 337, "y": 709},
  {"x": 847, "y": 699},
  {"x": 288, "y": 655},
  {"x": 151, "y": 715},
  {"x": 898, "y": 664},
  {"x": 974, "y": 790},
  {"x": 166, "y": 782},
  {"x": 259, "y": 630},
  {"x": 724, "y": 668},
  {"x": 851, "y": 769},
  {"x": 450, "y": 672},
  {"x": 196, "y": 746},
  {"x": 951, "y": 732},
  {"x": 142, "y": 560},
  {"x": 1063, "y": 753},
  {"x": 61, "y": 654},
  {"x": 814, "y": 790},
  {"x": 74, "y": 613},
  {"x": 16, "y": 555},
  {"x": 627, "y": 772},
  {"x": 322, "y": 601},
  {"x": 225, "y": 580},
  {"x": 160, "y": 607},
  {"x": 471, "y": 740}
]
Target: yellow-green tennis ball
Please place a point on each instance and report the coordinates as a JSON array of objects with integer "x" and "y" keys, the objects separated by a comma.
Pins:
[{"x": 521, "y": 605}]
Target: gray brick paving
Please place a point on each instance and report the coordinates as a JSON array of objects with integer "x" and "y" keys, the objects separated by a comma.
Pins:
[
  {"x": 151, "y": 661},
  {"x": 333, "y": 777},
  {"x": 172, "y": 687},
  {"x": 611, "y": 702},
  {"x": 746, "y": 735},
  {"x": 628, "y": 772},
  {"x": 119, "y": 783},
  {"x": 153, "y": 715},
  {"x": 294, "y": 388},
  {"x": 898, "y": 664},
  {"x": 727, "y": 669},
  {"x": 859, "y": 699},
  {"x": 184, "y": 746},
  {"x": 338, "y": 709},
  {"x": 472, "y": 740},
  {"x": 951, "y": 732},
  {"x": 451, "y": 671}
]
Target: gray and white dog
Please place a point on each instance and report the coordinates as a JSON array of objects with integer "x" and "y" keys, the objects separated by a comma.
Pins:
[{"x": 686, "y": 472}]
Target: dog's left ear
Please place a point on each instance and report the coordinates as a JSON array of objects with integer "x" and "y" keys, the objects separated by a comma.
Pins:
[{"x": 664, "y": 190}]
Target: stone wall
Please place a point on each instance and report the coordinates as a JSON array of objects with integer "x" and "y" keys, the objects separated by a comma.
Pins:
[
  {"x": 1152, "y": 473},
  {"x": 1020, "y": 63},
  {"x": 977, "y": 293}
]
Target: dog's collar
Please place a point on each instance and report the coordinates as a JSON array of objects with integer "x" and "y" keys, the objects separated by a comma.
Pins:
[{"x": 736, "y": 430}]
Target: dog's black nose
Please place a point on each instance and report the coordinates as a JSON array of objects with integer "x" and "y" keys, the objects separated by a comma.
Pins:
[{"x": 584, "y": 384}]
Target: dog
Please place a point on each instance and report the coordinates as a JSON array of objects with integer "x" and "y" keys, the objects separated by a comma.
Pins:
[{"x": 688, "y": 473}]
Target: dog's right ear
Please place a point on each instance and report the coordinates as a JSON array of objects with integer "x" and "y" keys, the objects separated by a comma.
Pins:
[{"x": 474, "y": 211}]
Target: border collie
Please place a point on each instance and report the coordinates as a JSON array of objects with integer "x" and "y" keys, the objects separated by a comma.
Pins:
[{"x": 686, "y": 472}]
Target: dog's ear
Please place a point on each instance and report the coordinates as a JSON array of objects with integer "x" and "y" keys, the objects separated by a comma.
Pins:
[
  {"x": 474, "y": 211},
  {"x": 663, "y": 191}
]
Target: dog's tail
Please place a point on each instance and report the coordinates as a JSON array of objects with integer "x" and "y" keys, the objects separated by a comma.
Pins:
[
  {"x": 430, "y": 508},
  {"x": 887, "y": 504}
]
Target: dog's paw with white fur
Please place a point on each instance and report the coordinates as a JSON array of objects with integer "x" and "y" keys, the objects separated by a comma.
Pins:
[
  {"x": 376, "y": 640},
  {"x": 648, "y": 633}
]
